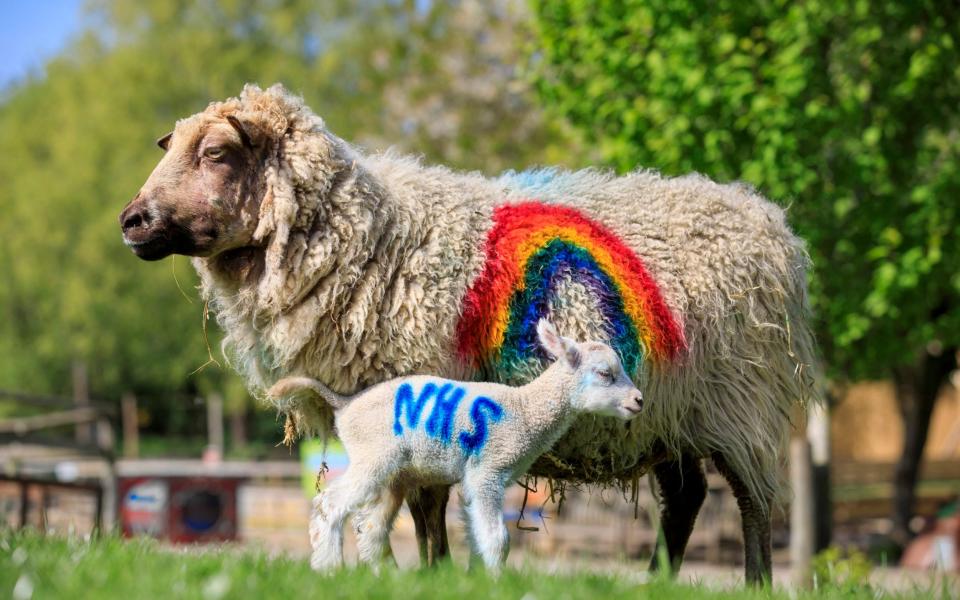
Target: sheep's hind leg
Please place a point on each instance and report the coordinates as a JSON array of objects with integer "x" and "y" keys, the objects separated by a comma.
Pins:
[
  {"x": 331, "y": 508},
  {"x": 428, "y": 506},
  {"x": 755, "y": 523},
  {"x": 683, "y": 488},
  {"x": 373, "y": 524}
]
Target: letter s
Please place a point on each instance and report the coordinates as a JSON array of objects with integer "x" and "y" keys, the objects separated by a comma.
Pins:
[{"x": 481, "y": 409}]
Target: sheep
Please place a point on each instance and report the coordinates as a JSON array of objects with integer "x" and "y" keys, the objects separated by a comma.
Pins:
[
  {"x": 353, "y": 269},
  {"x": 393, "y": 444}
]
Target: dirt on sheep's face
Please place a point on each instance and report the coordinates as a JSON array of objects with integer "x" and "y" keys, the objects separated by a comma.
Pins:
[{"x": 203, "y": 197}]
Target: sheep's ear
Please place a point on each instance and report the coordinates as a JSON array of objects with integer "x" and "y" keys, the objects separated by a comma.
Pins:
[
  {"x": 164, "y": 142},
  {"x": 241, "y": 130},
  {"x": 558, "y": 346}
]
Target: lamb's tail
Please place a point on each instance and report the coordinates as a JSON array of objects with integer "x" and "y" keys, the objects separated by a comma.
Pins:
[{"x": 289, "y": 386}]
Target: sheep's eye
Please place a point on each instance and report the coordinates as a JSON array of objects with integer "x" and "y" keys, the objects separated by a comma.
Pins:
[
  {"x": 214, "y": 153},
  {"x": 605, "y": 374}
]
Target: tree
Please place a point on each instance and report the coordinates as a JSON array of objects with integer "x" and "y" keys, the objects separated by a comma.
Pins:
[
  {"x": 76, "y": 142},
  {"x": 847, "y": 112}
]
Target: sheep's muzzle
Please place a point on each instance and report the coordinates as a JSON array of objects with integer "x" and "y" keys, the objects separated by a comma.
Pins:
[{"x": 152, "y": 236}]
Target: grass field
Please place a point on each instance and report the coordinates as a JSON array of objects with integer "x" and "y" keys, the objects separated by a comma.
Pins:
[{"x": 33, "y": 566}]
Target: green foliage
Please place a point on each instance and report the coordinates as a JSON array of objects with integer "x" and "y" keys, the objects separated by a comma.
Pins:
[
  {"x": 52, "y": 567},
  {"x": 834, "y": 567},
  {"x": 848, "y": 112},
  {"x": 76, "y": 143}
]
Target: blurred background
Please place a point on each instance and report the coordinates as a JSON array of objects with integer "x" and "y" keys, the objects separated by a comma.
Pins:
[{"x": 114, "y": 396}]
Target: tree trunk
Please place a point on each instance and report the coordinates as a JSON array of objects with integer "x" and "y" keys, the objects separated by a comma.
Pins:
[{"x": 917, "y": 387}]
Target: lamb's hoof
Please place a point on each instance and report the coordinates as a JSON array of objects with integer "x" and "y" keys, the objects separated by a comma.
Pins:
[{"x": 324, "y": 565}]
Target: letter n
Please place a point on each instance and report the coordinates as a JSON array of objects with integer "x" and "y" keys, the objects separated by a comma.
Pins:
[{"x": 404, "y": 403}]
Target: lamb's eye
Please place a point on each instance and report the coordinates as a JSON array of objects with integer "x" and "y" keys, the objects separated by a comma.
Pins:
[
  {"x": 214, "y": 152},
  {"x": 605, "y": 374}
]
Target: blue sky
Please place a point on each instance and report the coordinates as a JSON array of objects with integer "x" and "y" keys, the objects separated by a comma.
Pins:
[{"x": 32, "y": 31}]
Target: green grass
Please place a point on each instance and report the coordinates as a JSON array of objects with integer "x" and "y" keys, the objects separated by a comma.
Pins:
[{"x": 55, "y": 567}]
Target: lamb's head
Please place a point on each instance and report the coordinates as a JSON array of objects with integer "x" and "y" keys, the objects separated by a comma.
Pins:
[
  {"x": 600, "y": 385},
  {"x": 219, "y": 186}
]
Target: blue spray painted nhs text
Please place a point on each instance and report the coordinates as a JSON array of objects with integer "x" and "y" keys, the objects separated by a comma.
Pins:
[{"x": 409, "y": 407}]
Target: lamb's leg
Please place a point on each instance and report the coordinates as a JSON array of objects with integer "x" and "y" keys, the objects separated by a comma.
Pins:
[
  {"x": 683, "y": 488},
  {"x": 465, "y": 516},
  {"x": 755, "y": 523},
  {"x": 428, "y": 506},
  {"x": 326, "y": 530},
  {"x": 373, "y": 524},
  {"x": 331, "y": 508},
  {"x": 484, "y": 501}
]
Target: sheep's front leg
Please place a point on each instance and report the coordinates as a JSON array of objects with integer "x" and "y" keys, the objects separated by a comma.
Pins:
[
  {"x": 683, "y": 488},
  {"x": 484, "y": 510}
]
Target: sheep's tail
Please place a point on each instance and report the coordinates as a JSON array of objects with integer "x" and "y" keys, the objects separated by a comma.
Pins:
[{"x": 290, "y": 386}]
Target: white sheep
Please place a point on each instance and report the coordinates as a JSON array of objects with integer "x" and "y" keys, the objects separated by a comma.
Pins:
[
  {"x": 423, "y": 430},
  {"x": 352, "y": 268}
]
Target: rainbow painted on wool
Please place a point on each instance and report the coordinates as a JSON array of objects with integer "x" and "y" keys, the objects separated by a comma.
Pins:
[{"x": 533, "y": 247}]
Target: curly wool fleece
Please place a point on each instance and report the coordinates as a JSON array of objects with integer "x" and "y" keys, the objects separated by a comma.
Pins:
[{"x": 368, "y": 260}]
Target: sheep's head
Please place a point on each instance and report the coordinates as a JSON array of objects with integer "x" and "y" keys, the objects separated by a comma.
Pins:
[
  {"x": 600, "y": 385},
  {"x": 212, "y": 191}
]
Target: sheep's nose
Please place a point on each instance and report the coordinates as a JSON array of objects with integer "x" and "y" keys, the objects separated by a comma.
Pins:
[
  {"x": 134, "y": 215},
  {"x": 639, "y": 400}
]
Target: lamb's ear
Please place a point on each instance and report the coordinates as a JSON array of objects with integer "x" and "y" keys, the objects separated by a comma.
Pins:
[
  {"x": 242, "y": 130},
  {"x": 558, "y": 346}
]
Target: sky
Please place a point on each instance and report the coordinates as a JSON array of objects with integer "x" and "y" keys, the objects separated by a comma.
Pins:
[{"x": 32, "y": 31}]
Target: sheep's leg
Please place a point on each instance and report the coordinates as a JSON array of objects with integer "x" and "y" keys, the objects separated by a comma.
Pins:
[
  {"x": 428, "y": 506},
  {"x": 484, "y": 508},
  {"x": 373, "y": 524},
  {"x": 331, "y": 508},
  {"x": 326, "y": 531},
  {"x": 474, "y": 560},
  {"x": 683, "y": 488},
  {"x": 755, "y": 524}
]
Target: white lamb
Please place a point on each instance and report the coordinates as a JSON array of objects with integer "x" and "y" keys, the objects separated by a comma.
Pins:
[{"x": 483, "y": 435}]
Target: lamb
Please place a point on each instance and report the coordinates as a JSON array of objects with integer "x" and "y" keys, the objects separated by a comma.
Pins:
[
  {"x": 484, "y": 447},
  {"x": 352, "y": 269}
]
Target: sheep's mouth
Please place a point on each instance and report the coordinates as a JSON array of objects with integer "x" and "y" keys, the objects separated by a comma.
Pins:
[{"x": 157, "y": 243}]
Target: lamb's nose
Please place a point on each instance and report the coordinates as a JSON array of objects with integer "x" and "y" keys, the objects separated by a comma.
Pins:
[{"x": 639, "y": 400}]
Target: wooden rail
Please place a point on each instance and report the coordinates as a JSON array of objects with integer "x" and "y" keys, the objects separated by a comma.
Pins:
[
  {"x": 25, "y": 483},
  {"x": 75, "y": 416}
]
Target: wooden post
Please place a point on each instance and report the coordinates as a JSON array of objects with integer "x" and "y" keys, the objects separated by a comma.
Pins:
[
  {"x": 44, "y": 500},
  {"x": 801, "y": 512},
  {"x": 98, "y": 514},
  {"x": 131, "y": 428},
  {"x": 215, "y": 423},
  {"x": 81, "y": 399},
  {"x": 105, "y": 435},
  {"x": 818, "y": 434},
  {"x": 24, "y": 503},
  {"x": 238, "y": 428}
]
